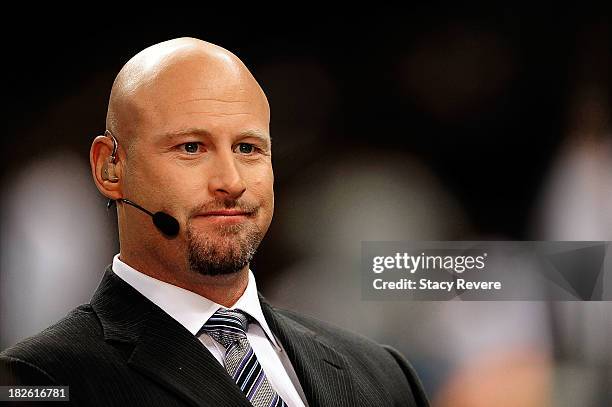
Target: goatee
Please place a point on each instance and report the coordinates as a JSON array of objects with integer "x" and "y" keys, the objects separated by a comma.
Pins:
[{"x": 225, "y": 251}]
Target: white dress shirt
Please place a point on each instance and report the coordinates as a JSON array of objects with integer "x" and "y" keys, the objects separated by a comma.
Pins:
[{"x": 192, "y": 311}]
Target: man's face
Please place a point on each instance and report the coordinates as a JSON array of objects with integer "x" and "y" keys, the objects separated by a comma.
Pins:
[{"x": 202, "y": 153}]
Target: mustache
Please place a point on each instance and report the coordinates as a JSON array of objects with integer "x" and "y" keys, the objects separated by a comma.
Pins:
[{"x": 219, "y": 204}]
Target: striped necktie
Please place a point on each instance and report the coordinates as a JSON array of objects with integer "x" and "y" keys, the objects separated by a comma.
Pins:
[{"x": 229, "y": 327}]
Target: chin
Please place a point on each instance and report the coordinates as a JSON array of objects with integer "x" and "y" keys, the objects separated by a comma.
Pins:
[{"x": 222, "y": 250}]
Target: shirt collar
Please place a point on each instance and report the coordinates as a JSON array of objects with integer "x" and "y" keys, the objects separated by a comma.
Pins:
[{"x": 188, "y": 308}]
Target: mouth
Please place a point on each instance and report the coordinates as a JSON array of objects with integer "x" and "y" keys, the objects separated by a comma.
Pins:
[
  {"x": 225, "y": 216},
  {"x": 225, "y": 212}
]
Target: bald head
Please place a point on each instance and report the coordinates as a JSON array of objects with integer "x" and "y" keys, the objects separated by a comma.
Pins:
[{"x": 167, "y": 77}]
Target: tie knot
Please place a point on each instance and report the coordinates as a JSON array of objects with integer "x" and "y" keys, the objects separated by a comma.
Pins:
[{"x": 226, "y": 326}]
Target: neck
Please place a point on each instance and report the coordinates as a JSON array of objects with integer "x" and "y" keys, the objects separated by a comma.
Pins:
[{"x": 223, "y": 289}]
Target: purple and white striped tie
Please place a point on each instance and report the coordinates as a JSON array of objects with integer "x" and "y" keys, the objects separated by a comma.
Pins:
[{"x": 229, "y": 327}]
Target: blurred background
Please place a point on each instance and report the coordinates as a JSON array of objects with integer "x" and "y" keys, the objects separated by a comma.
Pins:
[{"x": 429, "y": 123}]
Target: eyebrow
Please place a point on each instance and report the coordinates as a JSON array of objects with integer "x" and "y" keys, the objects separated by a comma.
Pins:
[
  {"x": 186, "y": 132},
  {"x": 262, "y": 136}
]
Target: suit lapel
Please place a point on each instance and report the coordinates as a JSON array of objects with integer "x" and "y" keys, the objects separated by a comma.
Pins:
[
  {"x": 178, "y": 360},
  {"x": 163, "y": 350},
  {"x": 323, "y": 372},
  {"x": 167, "y": 353}
]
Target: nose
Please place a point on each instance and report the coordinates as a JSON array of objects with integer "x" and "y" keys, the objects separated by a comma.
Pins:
[{"x": 226, "y": 181}]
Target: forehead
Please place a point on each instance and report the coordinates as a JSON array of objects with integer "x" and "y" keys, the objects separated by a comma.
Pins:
[{"x": 220, "y": 99}]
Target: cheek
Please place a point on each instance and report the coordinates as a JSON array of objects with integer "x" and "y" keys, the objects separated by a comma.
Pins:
[
  {"x": 262, "y": 186},
  {"x": 163, "y": 183}
]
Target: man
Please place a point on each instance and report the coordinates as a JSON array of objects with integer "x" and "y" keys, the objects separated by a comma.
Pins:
[{"x": 177, "y": 319}]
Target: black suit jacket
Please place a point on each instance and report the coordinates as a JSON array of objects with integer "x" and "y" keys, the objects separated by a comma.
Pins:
[{"x": 122, "y": 350}]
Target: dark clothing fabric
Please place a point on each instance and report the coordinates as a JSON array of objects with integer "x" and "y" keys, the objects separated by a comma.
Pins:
[{"x": 123, "y": 350}]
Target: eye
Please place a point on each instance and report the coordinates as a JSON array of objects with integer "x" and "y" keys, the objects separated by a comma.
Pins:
[
  {"x": 191, "y": 148},
  {"x": 246, "y": 148}
]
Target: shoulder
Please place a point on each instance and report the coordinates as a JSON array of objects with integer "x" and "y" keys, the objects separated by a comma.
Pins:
[
  {"x": 332, "y": 333},
  {"x": 370, "y": 360},
  {"x": 38, "y": 356}
]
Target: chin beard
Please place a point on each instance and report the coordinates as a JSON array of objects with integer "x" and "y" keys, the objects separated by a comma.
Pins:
[{"x": 230, "y": 249}]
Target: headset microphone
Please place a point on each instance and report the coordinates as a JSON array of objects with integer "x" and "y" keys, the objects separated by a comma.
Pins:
[{"x": 165, "y": 223}]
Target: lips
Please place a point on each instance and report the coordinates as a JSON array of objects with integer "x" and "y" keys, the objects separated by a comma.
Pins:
[
  {"x": 224, "y": 216},
  {"x": 225, "y": 212}
]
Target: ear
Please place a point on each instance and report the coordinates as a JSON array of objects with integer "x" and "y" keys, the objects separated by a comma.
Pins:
[{"x": 99, "y": 159}]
